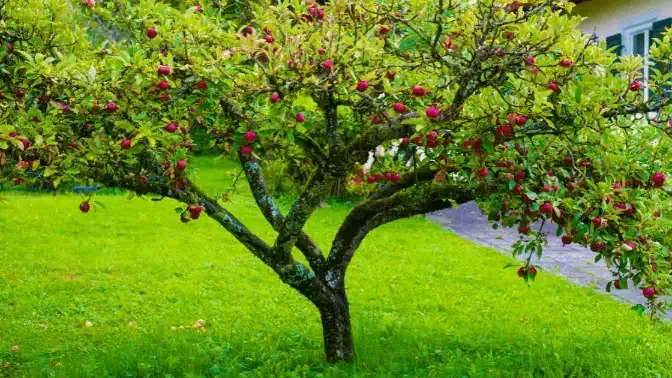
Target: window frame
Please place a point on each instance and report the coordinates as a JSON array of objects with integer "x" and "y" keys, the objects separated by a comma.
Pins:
[{"x": 629, "y": 29}]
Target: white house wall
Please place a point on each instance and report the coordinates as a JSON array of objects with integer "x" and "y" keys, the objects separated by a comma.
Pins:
[{"x": 608, "y": 17}]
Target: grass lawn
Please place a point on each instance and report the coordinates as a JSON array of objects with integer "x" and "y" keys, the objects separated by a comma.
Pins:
[{"x": 424, "y": 302}]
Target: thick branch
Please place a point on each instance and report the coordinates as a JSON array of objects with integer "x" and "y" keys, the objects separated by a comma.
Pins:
[
  {"x": 406, "y": 181},
  {"x": 319, "y": 186},
  {"x": 418, "y": 199},
  {"x": 275, "y": 218}
]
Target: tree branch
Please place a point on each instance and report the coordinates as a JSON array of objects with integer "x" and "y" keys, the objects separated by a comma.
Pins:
[
  {"x": 418, "y": 199},
  {"x": 406, "y": 181},
  {"x": 274, "y": 216}
]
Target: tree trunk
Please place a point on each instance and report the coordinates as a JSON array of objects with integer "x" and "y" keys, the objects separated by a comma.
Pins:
[
  {"x": 336, "y": 328},
  {"x": 338, "y": 190}
]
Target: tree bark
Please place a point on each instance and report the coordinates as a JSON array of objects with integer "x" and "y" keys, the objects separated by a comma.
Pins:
[
  {"x": 338, "y": 189},
  {"x": 335, "y": 314}
]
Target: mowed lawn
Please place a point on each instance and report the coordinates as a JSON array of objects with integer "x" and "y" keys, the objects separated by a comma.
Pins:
[{"x": 424, "y": 302}]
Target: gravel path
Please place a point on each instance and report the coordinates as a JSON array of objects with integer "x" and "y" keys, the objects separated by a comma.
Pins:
[{"x": 572, "y": 261}]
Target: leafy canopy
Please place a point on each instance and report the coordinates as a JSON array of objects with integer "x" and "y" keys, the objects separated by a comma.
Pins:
[{"x": 502, "y": 102}]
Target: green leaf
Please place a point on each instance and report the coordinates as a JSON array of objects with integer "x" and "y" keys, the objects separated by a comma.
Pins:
[
  {"x": 100, "y": 204},
  {"x": 49, "y": 171},
  {"x": 413, "y": 121},
  {"x": 487, "y": 145},
  {"x": 532, "y": 195},
  {"x": 408, "y": 43},
  {"x": 179, "y": 210},
  {"x": 577, "y": 94},
  {"x": 92, "y": 75},
  {"x": 639, "y": 309}
]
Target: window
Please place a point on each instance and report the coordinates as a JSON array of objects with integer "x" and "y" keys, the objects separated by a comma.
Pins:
[
  {"x": 636, "y": 37},
  {"x": 636, "y": 41}
]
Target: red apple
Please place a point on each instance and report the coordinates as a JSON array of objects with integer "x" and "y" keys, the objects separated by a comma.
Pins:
[
  {"x": 418, "y": 91},
  {"x": 566, "y": 63},
  {"x": 552, "y": 85},
  {"x": 649, "y": 292},
  {"x": 181, "y": 165},
  {"x": 399, "y": 107},
  {"x": 84, "y": 207},
  {"x": 171, "y": 127},
  {"x": 432, "y": 112},
  {"x": 566, "y": 239},
  {"x": 546, "y": 208},
  {"x": 163, "y": 85},
  {"x": 328, "y": 65},
  {"x": 482, "y": 172},
  {"x": 635, "y": 86},
  {"x": 125, "y": 144},
  {"x": 522, "y": 271},
  {"x": 658, "y": 179},
  {"x": 246, "y": 150},
  {"x": 164, "y": 70},
  {"x": 111, "y": 107},
  {"x": 275, "y": 98},
  {"x": 362, "y": 86},
  {"x": 300, "y": 117},
  {"x": 151, "y": 33},
  {"x": 250, "y": 136},
  {"x": 504, "y": 131}
]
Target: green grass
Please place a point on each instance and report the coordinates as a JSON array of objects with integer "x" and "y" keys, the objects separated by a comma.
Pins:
[{"x": 424, "y": 302}]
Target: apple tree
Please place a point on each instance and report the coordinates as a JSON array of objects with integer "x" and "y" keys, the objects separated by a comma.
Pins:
[{"x": 501, "y": 102}]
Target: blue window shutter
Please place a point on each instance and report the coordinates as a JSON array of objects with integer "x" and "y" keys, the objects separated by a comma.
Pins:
[
  {"x": 615, "y": 41},
  {"x": 657, "y": 30}
]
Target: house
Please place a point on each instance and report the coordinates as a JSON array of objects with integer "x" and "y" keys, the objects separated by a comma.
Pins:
[{"x": 628, "y": 25}]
